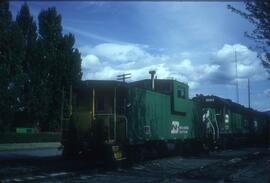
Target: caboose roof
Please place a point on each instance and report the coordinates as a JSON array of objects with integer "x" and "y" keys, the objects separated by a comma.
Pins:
[
  {"x": 114, "y": 83},
  {"x": 157, "y": 80},
  {"x": 99, "y": 83}
]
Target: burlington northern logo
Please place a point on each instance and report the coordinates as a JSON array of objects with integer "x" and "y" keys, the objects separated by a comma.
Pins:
[{"x": 177, "y": 129}]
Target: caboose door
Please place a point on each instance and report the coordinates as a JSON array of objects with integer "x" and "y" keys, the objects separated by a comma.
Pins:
[{"x": 121, "y": 129}]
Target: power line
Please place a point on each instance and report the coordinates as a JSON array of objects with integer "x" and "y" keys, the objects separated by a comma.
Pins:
[
  {"x": 248, "y": 93},
  {"x": 236, "y": 78},
  {"x": 123, "y": 77}
]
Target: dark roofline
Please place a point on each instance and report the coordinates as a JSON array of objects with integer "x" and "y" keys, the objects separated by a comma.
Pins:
[
  {"x": 168, "y": 80},
  {"x": 100, "y": 83},
  {"x": 227, "y": 102}
]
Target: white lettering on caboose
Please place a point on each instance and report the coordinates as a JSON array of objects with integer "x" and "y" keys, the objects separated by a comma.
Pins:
[{"x": 177, "y": 129}]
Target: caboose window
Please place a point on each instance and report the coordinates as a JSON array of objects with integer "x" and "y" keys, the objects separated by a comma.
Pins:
[
  {"x": 100, "y": 104},
  {"x": 181, "y": 92}
]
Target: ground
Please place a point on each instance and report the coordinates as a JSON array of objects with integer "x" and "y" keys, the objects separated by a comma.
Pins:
[{"x": 245, "y": 165}]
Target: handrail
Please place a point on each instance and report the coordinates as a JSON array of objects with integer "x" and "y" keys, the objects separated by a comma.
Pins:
[
  {"x": 214, "y": 133},
  {"x": 211, "y": 124},
  {"x": 93, "y": 103},
  {"x": 114, "y": 115},
  {"x": 217, "y": 126}
]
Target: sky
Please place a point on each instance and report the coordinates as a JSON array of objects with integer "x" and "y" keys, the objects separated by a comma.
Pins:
[{"x": 192, "y": 42}]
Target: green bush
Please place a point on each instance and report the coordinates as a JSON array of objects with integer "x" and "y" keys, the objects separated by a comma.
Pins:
[{"x": 29, "y": 137}]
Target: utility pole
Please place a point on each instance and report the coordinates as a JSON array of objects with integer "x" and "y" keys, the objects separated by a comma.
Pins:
[
  {"x": 123, "y": 77},
  {"x": 236, "y": 78},
  {"x": 248, "y": 93}
]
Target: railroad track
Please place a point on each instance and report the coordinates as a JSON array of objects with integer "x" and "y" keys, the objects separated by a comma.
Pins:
[{"x": 226, "y": 166}]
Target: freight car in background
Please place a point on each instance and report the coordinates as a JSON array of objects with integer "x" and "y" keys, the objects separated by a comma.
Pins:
[
  {"x": 231, "y": 124},
  {"x": 116, "y": 120}
]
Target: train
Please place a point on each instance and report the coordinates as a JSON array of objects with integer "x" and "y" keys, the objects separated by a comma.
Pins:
[{"x": 115, "y": 120}]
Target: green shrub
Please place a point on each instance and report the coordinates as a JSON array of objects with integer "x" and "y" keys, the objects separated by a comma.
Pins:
[{"x": 29, "y": 137}]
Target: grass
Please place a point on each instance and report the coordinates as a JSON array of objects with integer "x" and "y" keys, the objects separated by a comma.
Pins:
[
  {"x": 8, "y": 138},
  {"x": 22, "y": 146}
]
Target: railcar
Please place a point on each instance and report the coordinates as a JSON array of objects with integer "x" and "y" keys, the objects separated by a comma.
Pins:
[
  {"x": 118, "y": 120},
  {"x": 231, "y": 124},
  {"x": 152, "y": 116}
]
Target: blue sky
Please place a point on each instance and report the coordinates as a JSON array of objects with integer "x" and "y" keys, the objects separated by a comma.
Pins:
[{"x": 188, "y": 41}]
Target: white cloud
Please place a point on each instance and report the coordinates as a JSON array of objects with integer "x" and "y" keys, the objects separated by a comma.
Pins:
[
  {"x": 90, "y": 61},
  {"x": 88, "y": 34},
  {"x": 120, "y": 52},
  {"x": 105, "y": 61},
  {"x": 248, "y": 65},
  {"x": 122, "y": 55},
  {"x": 267, "y": 92}
]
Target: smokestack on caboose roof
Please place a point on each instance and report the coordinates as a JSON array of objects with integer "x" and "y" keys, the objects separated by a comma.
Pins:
[{"x": 152, "y": 72}]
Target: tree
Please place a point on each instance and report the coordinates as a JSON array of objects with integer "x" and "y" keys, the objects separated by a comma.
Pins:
[
  {"x": 258, "y": 13},
  {"x": 62, "y": 63},
  {"x": 50, "y": 31},
  {"x": 29, "y": 64},
  {"x": 28, "y": 27},
  {"x": 35, "y": 68},
  {"x": 11, "y": 73},
  {"x": 71, "y": 61}
]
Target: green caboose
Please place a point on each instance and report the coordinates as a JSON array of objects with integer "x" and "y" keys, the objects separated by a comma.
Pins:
[
  {"x": 155, "y": 115},
  {"x": 164, "y": 113}
]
